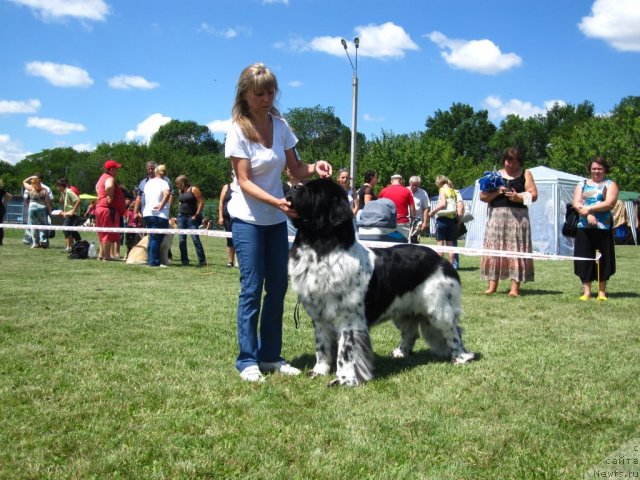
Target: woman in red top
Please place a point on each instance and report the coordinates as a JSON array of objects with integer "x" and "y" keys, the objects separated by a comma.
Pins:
[{"x": 109, "y": 208}]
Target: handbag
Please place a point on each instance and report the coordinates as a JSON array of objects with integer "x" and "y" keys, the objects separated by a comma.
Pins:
[
  {"x": 462, "y": 230},
  {"x": 570, "y": 226}
]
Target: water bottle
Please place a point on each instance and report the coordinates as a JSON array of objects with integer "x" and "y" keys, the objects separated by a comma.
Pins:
[{"x": 92, "y": 250}]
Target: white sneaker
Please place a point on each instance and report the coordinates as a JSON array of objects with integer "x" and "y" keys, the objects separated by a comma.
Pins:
[
  {"x": 252, "y": 374},
  {"x": 280, "y": 366}
]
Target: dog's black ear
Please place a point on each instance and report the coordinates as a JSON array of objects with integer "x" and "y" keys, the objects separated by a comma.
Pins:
[{"x": 340, "y": 210}]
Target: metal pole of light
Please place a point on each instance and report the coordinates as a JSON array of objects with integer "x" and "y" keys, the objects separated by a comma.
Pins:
[{"x": 354, "y": 110}]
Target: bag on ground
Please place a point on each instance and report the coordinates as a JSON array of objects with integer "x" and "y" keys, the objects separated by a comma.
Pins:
[{"x": 79, "y": 250}]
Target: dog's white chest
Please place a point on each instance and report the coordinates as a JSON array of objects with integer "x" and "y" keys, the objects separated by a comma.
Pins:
[{"x": 339, "y": 278}]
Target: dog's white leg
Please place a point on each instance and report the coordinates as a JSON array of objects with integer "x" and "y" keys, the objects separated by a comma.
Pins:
[
  {"x": 440, "y": 325},
  {"x": 355, "y": 358},
  {"x": 433, "y": 336},
  {"x": 445, "y": 340},
  {"x": 408, "y": 336},
  {"x": 326, "y": 347}
]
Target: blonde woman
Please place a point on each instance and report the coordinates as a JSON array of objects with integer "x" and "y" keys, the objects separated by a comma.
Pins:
[
  {"x": 260, "y": 144},
  {"x": 157, "y": 194},
  {"x": 446, "y": 215}
]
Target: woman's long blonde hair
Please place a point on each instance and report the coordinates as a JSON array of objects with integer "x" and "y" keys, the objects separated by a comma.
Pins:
[{"x": 254, "y": 78}]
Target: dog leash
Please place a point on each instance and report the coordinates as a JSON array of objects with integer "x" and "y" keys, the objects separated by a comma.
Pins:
[{"x": 296, "y": 315}]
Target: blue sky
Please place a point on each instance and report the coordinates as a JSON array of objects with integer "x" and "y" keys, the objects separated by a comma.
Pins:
[{"x": 80, "y": 72}]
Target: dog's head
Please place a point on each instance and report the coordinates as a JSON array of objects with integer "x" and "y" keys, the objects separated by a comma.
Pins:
[{"x": 324, "y": 214}]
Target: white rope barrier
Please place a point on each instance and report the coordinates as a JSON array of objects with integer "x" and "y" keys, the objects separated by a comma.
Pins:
[{"x": 472, "y": 252}]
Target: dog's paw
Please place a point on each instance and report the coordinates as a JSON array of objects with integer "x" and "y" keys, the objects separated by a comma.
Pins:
[
  {"x": 346, "y": 382},
  {"x": 319, "y": 370},
  {"x": 399, "y": 353},
  {"x": 464, "y": 358}
]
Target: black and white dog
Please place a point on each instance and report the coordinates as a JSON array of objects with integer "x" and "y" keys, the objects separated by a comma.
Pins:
[{"x": 346, "y": 288}]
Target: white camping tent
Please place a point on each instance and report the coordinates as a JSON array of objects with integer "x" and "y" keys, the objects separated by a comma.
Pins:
[{"x": 555, "y": 190}]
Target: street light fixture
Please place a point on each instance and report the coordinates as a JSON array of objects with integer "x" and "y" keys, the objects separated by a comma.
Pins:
[{"x": 354, "y": 114}]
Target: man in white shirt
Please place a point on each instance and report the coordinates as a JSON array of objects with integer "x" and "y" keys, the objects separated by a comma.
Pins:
[{"x": 421, "y": 201}]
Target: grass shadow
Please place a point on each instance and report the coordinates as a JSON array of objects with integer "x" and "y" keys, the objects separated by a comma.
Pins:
[
  {"x": 526, "y": 292},
  {"x": 468, "y": 269},
  {"x": 622, "y": 295},
  {"x": 385, "y": 366}
]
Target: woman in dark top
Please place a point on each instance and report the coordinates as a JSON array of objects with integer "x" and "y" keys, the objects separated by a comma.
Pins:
[
  {"x": 508, "y": 226},
  {"x": 365, "y": 192},
  {"x": 190, "y": 217},
  {"x": 4, "y": 195},
  {"x": 224, "y": 219}
]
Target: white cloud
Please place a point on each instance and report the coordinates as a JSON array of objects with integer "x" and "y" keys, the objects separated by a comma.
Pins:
[
  {"x": 84, "y": 147},
  {"x": 498, "y": 109},
  {"x": 94, "y": 10},
  {"x": 376, "y": 41},
  {"x": 295, "y": 83},
  {"x": 383, "y": 41},
  {"x": 219, "y": 126},
  {"x": 125, "y": 82},
  {"x": 55, "y": 126},
  {"x": 14, "y": 106},
  {"x": 617, "y": 22},
  {"x": 59, "y": 74},
  {"x": 11, "y": 150},
  {"x": 227, "y": 33},
  {"x": 271, "y": 2},
  {"x": 145, "y": 129},
  {"x": 480, "y": 56},
  {"x": 371, "y": 118}
]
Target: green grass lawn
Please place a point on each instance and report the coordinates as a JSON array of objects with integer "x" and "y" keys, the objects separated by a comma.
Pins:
[{"x": 116, "y": 371}]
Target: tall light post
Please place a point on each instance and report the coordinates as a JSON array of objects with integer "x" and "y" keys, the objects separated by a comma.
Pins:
[{"x": 354, "y": 112}]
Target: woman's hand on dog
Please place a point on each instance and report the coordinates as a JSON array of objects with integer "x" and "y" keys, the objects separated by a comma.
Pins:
[
  {"x": 323, "y": 169},
  {"x": 284, "y": 205}
]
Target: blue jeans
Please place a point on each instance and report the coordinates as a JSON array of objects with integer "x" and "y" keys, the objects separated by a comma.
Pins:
[
  {"x": 155, "y": 239},
  {"x": 186, "y": 222},
  {"x": 38, "y": 216},
  {"x": 262, "y": 253}
]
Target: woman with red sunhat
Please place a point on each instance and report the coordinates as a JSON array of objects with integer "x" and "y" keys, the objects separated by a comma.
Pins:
[{"x": 109, "y": 208}]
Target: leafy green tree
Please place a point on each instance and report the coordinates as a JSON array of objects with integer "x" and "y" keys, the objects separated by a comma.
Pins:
[
  {"x": 321, "y": 135},
  {"x": 131, "y": 155},
  {"x": 416, "y": 154},
  {"x": 629, "y": 107},
  {"x": 9, "y": 177},
  {"x": 186, "y": 136},
  {"x": 54, "y": 164},
  {"x": 528, "y": 135},
  {"x": 609, "y": 137},
  {"x": 468, "y": 131}
]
